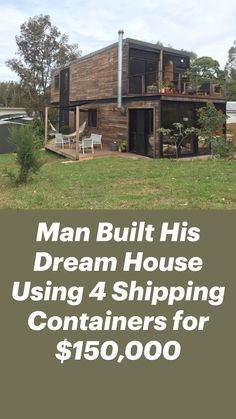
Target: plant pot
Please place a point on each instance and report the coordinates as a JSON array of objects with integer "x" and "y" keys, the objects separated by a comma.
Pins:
[{"x": 113, "y": 147}]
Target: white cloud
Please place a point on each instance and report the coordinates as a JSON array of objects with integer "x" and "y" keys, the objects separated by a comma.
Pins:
[
  {"x": 10, "y": 21},
  {"x": 204, "y": 26}
]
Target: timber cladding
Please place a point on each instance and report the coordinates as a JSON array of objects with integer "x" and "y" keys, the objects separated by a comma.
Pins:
[
  {"x": 55, "y": 90},
  {"x": 111, "y": 123},
  {"x": 114, "y": 125},
  {"x": 95, "y": 77}
]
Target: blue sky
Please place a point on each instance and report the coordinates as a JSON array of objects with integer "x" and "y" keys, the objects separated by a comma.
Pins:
[{"x": 205, "y": 26}]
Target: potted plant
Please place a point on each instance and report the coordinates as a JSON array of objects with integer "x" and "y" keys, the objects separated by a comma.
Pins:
[
  {"x": 122, "y": 146},
  {"x": 114, "y": 146},
  {"x": 165, "y": 87},
  {"x": 121, "y": 142},
  {"x": 152, "y": 88}
]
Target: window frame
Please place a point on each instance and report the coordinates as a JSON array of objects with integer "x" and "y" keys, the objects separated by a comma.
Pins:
[{"x": 92, "y": 118}]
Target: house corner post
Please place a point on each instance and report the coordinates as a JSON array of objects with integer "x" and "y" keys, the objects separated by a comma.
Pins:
[
  {"x": 157, "y": 137},
  {"x": 161, "y": 70},
  {"x": 46, "y": 126},
  {"x": 77, "y": 134}
]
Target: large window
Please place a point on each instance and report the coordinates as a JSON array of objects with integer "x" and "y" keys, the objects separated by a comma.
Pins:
[
  {"x": 143, "y": 71},
  {"x": 185, "y": 113},
  {"x": 92, "y": 118}
]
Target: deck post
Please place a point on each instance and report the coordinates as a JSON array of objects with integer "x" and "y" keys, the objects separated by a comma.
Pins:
[
  {"x": 161, "y": 70},
  {"x": 46, "y": 126},
  {"x": 77, "y": 134}
]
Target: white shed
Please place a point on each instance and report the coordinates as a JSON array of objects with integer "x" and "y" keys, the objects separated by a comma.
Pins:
[{"x": 231, "y": 120}]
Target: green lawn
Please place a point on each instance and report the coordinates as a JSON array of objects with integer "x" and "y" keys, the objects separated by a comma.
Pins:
[{"x": 119, "y": 183}]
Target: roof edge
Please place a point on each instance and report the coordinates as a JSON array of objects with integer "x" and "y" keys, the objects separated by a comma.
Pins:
[{"x": 126, "y": 41}]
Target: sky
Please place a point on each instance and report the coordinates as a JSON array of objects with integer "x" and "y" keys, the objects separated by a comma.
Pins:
[{"x": 206, "y": 27}]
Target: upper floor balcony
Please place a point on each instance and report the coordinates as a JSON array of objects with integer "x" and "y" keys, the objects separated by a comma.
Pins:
[
  {"x": 166, "y": 72},
  {"x": 152, "y": 84}
]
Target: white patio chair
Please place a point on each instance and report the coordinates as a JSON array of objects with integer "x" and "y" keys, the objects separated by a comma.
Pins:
[
  {"x": 70, "y": 139},
  {"x": 59, "y": 140},
  {"x": 87, "y": 143},
  {"x": 97, "y": 139}
]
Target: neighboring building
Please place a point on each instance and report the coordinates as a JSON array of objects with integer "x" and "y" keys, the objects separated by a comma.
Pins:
[
  {"x": 129, "y": 95},
  {"x": 10, "y": 117},
  {"x": 231, "y": 120},
  {"x": 5, "y": 144},
  {"x": 6, "y": 112}
]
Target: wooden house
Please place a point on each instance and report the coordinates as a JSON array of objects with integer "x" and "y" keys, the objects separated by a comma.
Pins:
[{"x": 130, "y": 89}]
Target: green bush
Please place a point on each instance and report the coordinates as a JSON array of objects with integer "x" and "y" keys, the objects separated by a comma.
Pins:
[
  {"x": 220, "y": 147},
  {"x": 212, "y": 125},
  {"x": 65, "y": 130},
  {"x": 27, "y": 155},
  {"x": 38, "y": 132}
]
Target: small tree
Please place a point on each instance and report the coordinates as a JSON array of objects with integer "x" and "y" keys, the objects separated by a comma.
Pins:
[
  {"x": 41, "y": 47},
  {"x": 38, "y": 132},
  {"x": 211, "y": 126},
  {"x": 177, "y": 135},
  {"x": 27, "y": 157}
]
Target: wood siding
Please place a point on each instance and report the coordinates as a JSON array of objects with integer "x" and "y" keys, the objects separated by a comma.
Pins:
[
  {"x": 113, "y": 124},
  {"x": 55, "y": 93},
  {"x": 95, "y": 77}
]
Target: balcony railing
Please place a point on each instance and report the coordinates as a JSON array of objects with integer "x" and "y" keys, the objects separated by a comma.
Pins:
[{"x": 148, "y": 84}]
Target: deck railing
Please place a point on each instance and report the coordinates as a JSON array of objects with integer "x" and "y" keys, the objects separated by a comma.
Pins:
[{"x": 148, "y": 84}]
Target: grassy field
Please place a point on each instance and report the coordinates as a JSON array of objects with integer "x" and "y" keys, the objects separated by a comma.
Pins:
[{"x": 122, "y": 183}]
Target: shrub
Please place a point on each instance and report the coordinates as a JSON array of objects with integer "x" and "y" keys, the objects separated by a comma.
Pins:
[
  {"x": 212, "y": 122},
  {"x": 27, "y": 156},
  {"x": 65, "y": 130},
  {"x": 38, "y": 132},
  {"x": 220, "y": 147}
]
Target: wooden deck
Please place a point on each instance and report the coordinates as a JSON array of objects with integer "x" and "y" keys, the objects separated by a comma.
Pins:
[{"x": 70, "y": 153}]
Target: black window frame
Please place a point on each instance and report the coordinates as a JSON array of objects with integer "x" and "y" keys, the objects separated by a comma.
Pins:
[{"x": 92, "y": 118}]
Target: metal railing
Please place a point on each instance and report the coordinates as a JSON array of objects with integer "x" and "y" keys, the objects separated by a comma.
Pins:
[{"x": 148, "y": 83}]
